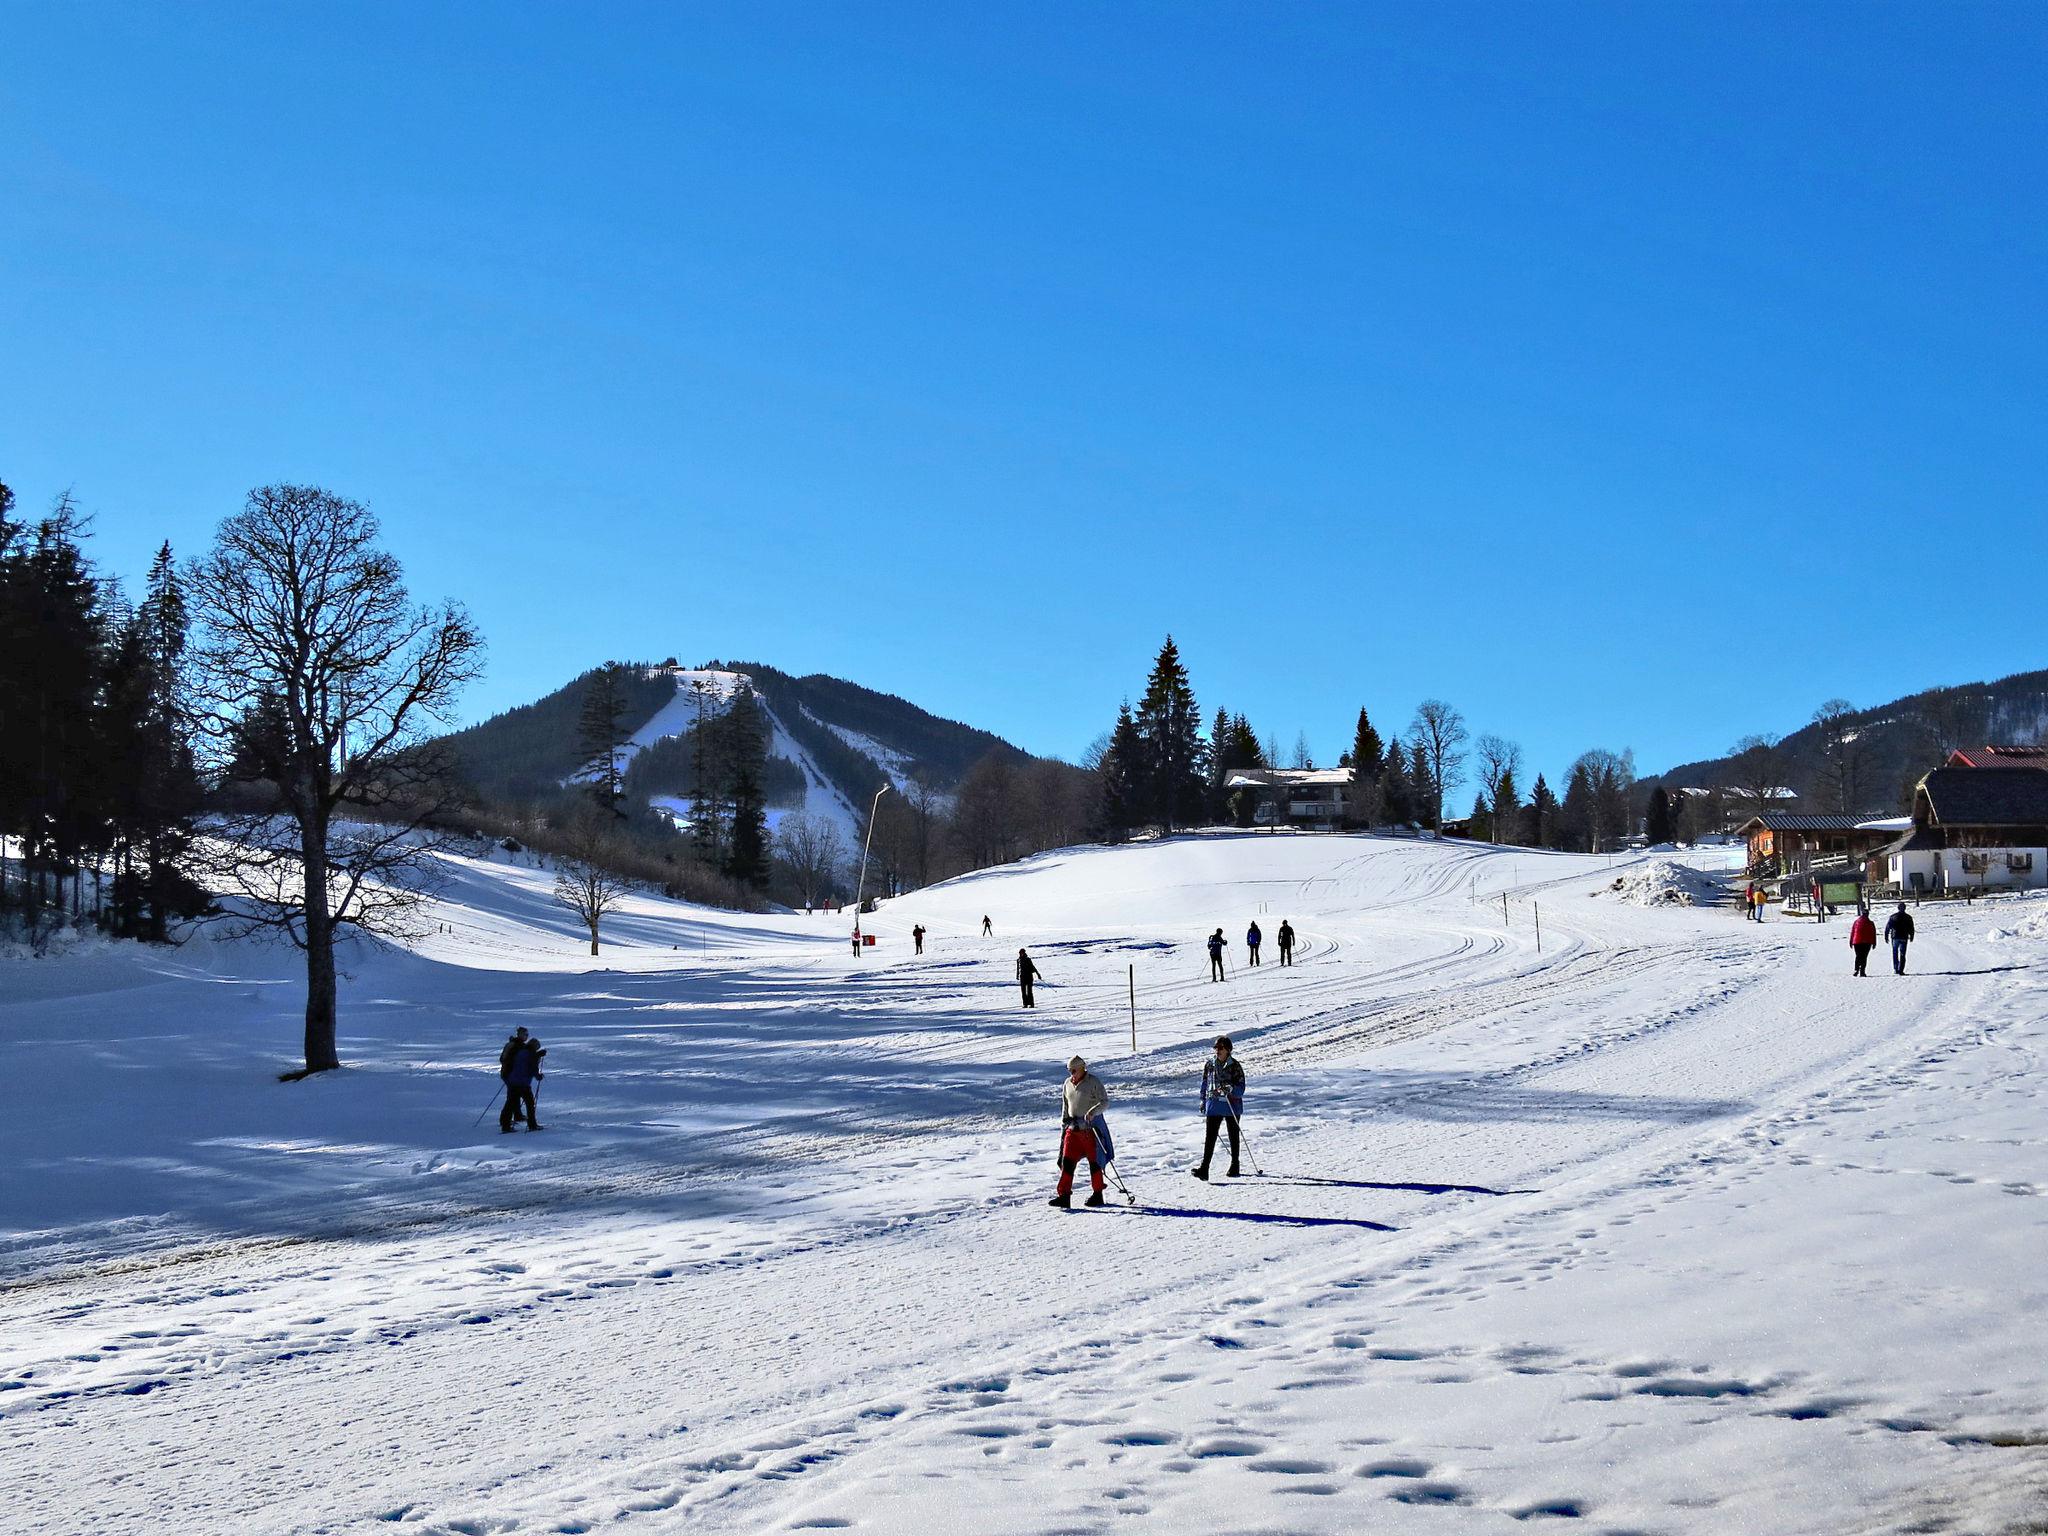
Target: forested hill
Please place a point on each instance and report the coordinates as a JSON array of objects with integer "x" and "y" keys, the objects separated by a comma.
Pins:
[
  {"x": 1868, "y": 760},
  {"x": 854, "y": 737}
]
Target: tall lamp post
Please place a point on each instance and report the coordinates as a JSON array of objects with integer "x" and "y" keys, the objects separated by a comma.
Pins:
[{"x": 860, "y": 889}]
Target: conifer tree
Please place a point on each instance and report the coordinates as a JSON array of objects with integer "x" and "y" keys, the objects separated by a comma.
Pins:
[
  {"x": 1542, "y": 820},
  {"x": 1397, "y": 790},
  {"x": 600, "y": 734},
  {"x": 1368, "y": 761},
  {"x": 1576, "y": 815},
  {"x": 1175, "y": 756},
  {"x": 1507, "y": 810},
  {"x": 745, "y": 754},
  {"x": 1120, "y": 769},
  {"x": 1659, "y": 828},
  {"x": 1481, "y": 820}
]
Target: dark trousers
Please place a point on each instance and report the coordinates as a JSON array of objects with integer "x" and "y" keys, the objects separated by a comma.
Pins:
[
  {"x": 1255, "y": 954},
  {"x": 1863, "y": 958},
  {"x": 1215, "y": 967},
  {"x": 920, "y": 946},
  {"x": 1899, "y": 956},
  {"x": 1026, "y": 985},
  {"x": 1287, "y": 954},
  {"x": 518, "y": 1105},
  {"x": 1216, "y": 1122}
]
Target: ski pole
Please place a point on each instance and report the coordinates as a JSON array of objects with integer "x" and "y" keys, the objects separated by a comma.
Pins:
[
  {"x": 1245, "y": 1141},
  {"x": 479, "y": 1120}
]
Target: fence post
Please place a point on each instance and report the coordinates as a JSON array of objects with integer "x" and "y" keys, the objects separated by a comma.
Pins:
[
  {"x": 1503, "y": 909},
  {"x": 1134, "y": 1010},
  {"x": 1537, "y": 908}
]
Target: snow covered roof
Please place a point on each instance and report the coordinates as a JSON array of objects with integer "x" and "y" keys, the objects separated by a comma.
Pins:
[
  {"x": 1801, "y": 821},
  {"x": 1885, "y": 824}
]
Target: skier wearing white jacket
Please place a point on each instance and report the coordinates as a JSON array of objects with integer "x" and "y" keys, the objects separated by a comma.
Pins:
[{"x": 1082, "y": 1101}]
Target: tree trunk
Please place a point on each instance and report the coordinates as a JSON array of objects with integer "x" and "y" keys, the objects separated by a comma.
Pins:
[
  {"x": 593, "y": 935},
  {"x": 320, "y": 1049}
]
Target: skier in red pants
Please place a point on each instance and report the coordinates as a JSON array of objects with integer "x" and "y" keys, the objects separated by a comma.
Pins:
[{"x": 1082, "y": 1101}]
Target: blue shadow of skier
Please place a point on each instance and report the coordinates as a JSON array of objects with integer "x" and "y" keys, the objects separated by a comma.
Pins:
[{"x": 1260, "y": 1216}]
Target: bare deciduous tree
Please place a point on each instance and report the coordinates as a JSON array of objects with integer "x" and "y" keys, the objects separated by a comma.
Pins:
[
  {"x": 1499, "y": 761},
  {"x": 1759, "y": 764},
  {"x": 318, "y": 676},
  {"x": 1841, "y": 744},
  {"x": 1436, "y": 737},
  {"x": 586, "y": 881},
  {"x": 813, "y": 850}
]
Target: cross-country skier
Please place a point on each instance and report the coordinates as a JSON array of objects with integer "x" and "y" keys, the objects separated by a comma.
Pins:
[
  {"x": 1216, "y": 943},
  {"x": 1286, "y": 942},
  {"x": 1027, "y": 973},
  {"x": 917, "y": 937},
  {"x": 1862, "y": 939},
  {"x": 987, "y": 927},
  {"x": 1222, "y": 1103},
  {"x": 856, "y": 943},
  {"x": 1898, "y": 932},
  {"x": 1252, "y": 938},
  {"x": 1082, "y": 1101},
  {"x": 519, "y": 1066}
]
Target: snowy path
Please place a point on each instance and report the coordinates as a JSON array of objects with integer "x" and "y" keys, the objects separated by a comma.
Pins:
[{"x": 1675, "y": 1226}]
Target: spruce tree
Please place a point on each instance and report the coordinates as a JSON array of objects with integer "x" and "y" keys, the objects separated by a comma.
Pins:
[
  {"x": 745, "y": 760},
  {"x": 1576, "y": 816},
  {"x": 1482, "y": 820},
  {"x": 1507, "y": 810},
  {"x": 1175, "y": 756},
  {"x": 1121, "y": 792},
  {"x": 1368, "y": 761},
  {"x": 1397, "y": 791},
  {"x": 600, "y": 734},
  {"x": 1659, "y": 828},
  {"x": 1542, "y": 819}
]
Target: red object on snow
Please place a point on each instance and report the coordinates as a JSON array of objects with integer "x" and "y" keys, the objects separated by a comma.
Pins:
[{"x": 867, "y": 939}]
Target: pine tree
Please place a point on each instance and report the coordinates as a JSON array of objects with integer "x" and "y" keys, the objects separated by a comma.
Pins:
[
  {"x": 1542, "y": 816},
  {"x": 1175, "y": 755},
  {"x": 745, "y": 733},
  {"x": 1368, "y": 760},
  {"x": 1397, "y": 790},
  {"x": 1659, "y": 829},
  {"x": 1507, "y": 811},
  {"x": 1576, "y": 815},
  {"x": 1121, "y": 811},
  {"x": 600, "y": 733},
  {"x": 1481, "y": 820}
]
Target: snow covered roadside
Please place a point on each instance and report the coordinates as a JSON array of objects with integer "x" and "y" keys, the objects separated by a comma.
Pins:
[{"x": 1675, "y": 1226}]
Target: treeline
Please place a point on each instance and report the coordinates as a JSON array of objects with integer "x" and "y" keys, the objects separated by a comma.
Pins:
[
  {"x": 99, "y": 780},
  {"x": 1158, "y": 770}
]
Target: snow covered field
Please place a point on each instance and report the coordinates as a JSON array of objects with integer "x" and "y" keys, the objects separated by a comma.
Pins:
[{"x": 1671, "y": 1227}]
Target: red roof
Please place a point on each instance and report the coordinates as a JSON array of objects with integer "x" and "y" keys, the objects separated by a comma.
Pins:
[{"x": 1998, "y": 757}]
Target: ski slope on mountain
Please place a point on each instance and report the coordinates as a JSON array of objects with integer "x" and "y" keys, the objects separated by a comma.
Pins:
[{"x": 1667, "y": 1225}]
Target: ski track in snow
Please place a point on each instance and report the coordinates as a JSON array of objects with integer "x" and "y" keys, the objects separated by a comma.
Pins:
[{"x": 1672, "y": 1227}]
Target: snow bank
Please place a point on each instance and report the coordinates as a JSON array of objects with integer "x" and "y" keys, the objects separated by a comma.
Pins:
[{"x": 1666, "y": 883}]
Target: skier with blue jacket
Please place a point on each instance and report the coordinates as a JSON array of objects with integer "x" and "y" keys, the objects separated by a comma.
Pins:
[{"x": 1222, "y": 1103}]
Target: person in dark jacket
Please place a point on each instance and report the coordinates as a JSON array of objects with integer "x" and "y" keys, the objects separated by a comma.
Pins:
[
  {"x": 1252, "y": 939},
  {"x": 1286, "y": 942},
  {"x": 917, "y": 937},
  {"x": 1898, "y": 932},
  {"x": 1862, "y": 940},
  {"x": 1027, "y": 973},
  {"x": 1216, "y": 943},
  {"x": 519, "y": 1066},
  {"x": 987, "y": 927},
  {"x": 1222, "y": 1103}
]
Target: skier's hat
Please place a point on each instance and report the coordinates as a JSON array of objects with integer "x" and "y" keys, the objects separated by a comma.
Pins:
[
  {"x": 1077, "y": 1062},
  {"x": 1223, "y": 1043}
]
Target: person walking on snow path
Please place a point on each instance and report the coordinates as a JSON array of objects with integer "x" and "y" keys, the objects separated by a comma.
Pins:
[
  {"x": 856, "y": 943},
  {"x": 1286, "y": 942},
  {"x": 987, "y": 927},
  {"x": 917, "y": 937},
  {"x": 1216, "y": 943},
  {"x": 1252, "y": 938},
  {"x": 1862, "y": 939},
  {"x": 1027, "y": 973},
  {"x": 1082, "y": 1101},
  {"x": 1222, "y": 1103},
  {"x": 1898, "y": 932},
  {"x": 519, "y": 1066}
]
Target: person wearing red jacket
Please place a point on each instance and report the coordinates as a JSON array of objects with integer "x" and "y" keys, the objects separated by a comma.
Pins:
[{"x": 1862, "y": 939}]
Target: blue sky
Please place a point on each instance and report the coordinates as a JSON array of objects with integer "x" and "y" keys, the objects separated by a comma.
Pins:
[{"x": 1635, "y": 376}]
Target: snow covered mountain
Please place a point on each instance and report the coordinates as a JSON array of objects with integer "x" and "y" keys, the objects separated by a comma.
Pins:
[{"x": 832, "y": 742}]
